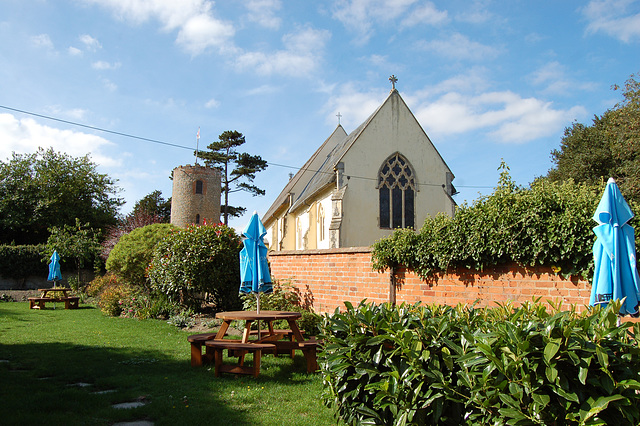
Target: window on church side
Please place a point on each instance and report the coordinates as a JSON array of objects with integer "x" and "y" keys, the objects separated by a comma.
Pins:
[
  {"x": 197, "y": 219},
  {"x": 320, "y": 223},
  {"x": 396, "y": 186},
  {"x": 199, "y": 187}
]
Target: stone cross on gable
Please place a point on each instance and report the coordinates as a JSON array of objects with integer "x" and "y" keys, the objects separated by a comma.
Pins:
[
  {"x": 393, "y": 79},
  {"x": 339, "y": 116}
]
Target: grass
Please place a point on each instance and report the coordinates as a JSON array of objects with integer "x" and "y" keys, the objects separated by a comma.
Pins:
[{"x": 68, "y": 367}]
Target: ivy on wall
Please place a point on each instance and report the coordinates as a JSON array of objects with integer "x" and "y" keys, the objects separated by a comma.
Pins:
[{"x": 547, "y": 224}]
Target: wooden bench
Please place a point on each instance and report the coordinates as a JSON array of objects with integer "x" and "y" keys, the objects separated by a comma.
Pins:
[
  {"x": 309, "y": 348},
  {"x": 239, "y": 348},
  {"x": 71, "y": 302},
  {"x": 39, "y": 302},
  {"x": 197, "y": 357}
]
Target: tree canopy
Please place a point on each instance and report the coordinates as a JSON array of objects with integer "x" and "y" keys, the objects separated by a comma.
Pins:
[
  {"x": 609, "y": 147},
  {"x": 48, "y": 189},
  {"x": 153, "y": 204},
  {"x": 238, "y": 169}
]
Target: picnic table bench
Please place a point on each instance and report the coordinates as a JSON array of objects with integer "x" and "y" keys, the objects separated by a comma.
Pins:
[{"x": 239, "y": 350}]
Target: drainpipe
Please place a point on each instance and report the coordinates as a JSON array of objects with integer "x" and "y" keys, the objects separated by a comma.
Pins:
[{"x": 392, "y": 286}]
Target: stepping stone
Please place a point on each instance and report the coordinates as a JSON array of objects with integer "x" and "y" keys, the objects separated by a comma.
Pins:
[
  {"x": 135, "y": 423},
  {"x": 80, "y": 384},
  {"x": 127, "y": 405},
  {"x": 102, "y": 392}
]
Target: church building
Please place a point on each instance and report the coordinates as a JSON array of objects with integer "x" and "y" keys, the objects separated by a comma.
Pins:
[{"x": 358, "y": 187}]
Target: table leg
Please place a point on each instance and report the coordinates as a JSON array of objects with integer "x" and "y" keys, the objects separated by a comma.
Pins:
[
  {"x": 247, "y": 331},
  {"x": 222, "y": 331}
]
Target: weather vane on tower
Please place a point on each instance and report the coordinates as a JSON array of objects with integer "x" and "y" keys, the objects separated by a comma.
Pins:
[{"x": 393, "y": 79}]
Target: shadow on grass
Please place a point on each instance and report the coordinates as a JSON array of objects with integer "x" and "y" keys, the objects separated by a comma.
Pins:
[{"x": 60, "y": 383}]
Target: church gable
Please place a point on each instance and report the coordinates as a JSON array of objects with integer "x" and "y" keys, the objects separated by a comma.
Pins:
[{"x": 384, "y": 175}]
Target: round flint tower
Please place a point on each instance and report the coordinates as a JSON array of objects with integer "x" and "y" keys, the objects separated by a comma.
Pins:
[{"x": 196, "y": 195}]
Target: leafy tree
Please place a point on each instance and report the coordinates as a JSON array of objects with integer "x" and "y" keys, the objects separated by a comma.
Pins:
[
  {"x": 154, "y": 204},
  {"x": 49, "y": 189},
  {"x": 234, "y": 168},
  {"x": 609, "y": 147},
  {"x": 78, "y": 243}
]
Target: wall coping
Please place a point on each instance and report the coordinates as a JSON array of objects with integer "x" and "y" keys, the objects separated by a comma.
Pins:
[{"x": 321, "y": 251}]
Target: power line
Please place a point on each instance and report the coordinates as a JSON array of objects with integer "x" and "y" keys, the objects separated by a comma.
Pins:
[{"x": 127, "y": 135}]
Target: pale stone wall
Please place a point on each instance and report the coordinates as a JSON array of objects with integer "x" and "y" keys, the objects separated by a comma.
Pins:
[{"x": 393, "y": 129}]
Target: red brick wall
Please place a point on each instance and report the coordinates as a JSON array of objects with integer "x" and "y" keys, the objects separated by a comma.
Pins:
[{"x": 327, "y": 278}]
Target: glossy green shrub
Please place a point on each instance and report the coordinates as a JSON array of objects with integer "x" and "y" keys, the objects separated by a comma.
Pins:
[
  {"x": 438, "y": 365},
  {"x": 199, "y": 262},
  {"x": 133, "y": 253}
]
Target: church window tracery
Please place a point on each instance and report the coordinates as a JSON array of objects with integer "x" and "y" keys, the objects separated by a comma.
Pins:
[{"x": 396, "y": 186}]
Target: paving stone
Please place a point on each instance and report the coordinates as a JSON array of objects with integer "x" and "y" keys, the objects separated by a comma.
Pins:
[{"x": 127, "y": 405}]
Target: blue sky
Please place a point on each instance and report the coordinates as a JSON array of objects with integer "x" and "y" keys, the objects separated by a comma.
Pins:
[{"x": 487, "y": 80}]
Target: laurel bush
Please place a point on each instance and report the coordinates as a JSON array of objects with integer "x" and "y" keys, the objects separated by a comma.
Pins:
[
  {"x": 198, "y": 264},
  {"x": 441, "y": 365}
]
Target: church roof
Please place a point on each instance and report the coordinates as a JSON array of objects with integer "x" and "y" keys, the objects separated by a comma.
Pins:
[{"x": 299, "y": 183}]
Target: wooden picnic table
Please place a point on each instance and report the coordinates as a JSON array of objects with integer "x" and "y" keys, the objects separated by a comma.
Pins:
[
  {"x": 56, "y": 292},
  {"x": 59, "y": 294},
  {"x": 268, "y": 316},
  {"x": 269, "y": 341}
]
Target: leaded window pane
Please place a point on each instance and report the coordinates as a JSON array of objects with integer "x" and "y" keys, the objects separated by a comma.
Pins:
[
  {"x": 409, "y": 212},
  {"x": 384, "y": 208},
  {"x": 397, "y": 207}
]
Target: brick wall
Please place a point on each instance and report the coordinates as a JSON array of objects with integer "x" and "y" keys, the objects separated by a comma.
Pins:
[{"x": 327, "y": 278}]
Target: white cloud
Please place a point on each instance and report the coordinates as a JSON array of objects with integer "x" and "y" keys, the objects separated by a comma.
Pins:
[
  {"x": 73, "y": 114},
  {"x": 301, "y": 54},
  {"x": 354, "y": 106},
  {"x": 553, "y": 77},
  {"x": 203, "y": 31},
  {"x": 91, "y": 44},
  {"x": 198, "y": 28},
  {"x": 212, "y": 103},
  {"x": 109, "y": 85},
  {"x": 74, "y": 51},
  {"x": 458, "y": 46},
  {"x": 505, "y": 116},
  {"x": 263, "y": 12},
  {"x": 261, "y": 90},
  {"x": 42, "y": 40},
  {"x": 361, "y": 16},
  {"x": 613, "y": 18},
  {"x": 426, "y": 14},
  {"x": 103, "y": 65},
  {"x": 26, "y": 136}
]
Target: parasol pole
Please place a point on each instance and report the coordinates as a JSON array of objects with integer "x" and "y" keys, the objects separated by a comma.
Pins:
[{"x": 258, "y": 311}]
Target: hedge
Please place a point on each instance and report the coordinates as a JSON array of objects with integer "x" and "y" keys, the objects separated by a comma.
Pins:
[{"x": 19, "y": 262}]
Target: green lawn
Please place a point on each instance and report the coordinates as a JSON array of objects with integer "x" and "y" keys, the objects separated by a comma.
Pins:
[{"x": 70, "y": 366}]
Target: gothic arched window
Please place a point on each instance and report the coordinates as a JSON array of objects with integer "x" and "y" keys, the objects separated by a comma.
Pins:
[
  {"x": 397, "y": 187},
  {"x": 198, "y": 187}
]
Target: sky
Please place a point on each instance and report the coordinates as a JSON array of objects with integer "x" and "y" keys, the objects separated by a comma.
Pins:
[{"x": 487, "y": 80}]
